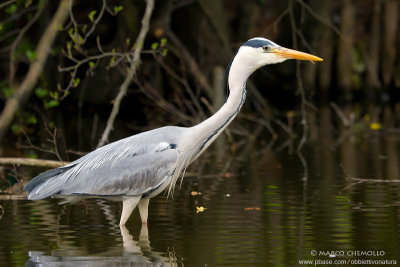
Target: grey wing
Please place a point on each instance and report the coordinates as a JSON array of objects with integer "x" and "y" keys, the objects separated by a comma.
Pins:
[
  {"x": 129, "y": 176},
  {"x": 138, "y": 175},
  {"x": 139, "y": 151}
]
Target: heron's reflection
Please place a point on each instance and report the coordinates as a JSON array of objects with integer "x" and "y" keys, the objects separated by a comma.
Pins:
[{"x": 135, "y": 253}]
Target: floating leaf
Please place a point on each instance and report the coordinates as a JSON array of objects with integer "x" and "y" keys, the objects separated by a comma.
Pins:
[
  {"x": 200, "y": 209},
  {"x": 252, "y": 208},
  {"x": 375, "y": 126},
  {"x": 39, "y": 92},
  {"x": 117, "y": 9},
  {"x": 228, "y": 174},
  {"x": 290, "y": 113},
  {"x": 91, "y": 15}
]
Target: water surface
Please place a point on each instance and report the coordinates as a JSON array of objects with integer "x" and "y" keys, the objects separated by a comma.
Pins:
[{"x": 258, "y": 211}]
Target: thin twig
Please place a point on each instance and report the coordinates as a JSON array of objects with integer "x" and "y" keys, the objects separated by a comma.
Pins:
[
  {"x": 163, "y": 104},
  {"x": 96, "y": 21},
  {"x": 302, "y": 95},
  {"x": 71, "y": 14},
  {"x": 131, "y": 72},
  {"x": 324, "y": 21},
  {"x": 92, "y": 58},
  {"x": 23, "y": 91},
  {"x": 19, "y": 38},
  {"x": 7, "y": 3},
  {"x": 2, "y": 212},
  {"x": 275, "y": 23},
  {"x": 185, "y": 84},
  {"x": 340, "y": 113}
]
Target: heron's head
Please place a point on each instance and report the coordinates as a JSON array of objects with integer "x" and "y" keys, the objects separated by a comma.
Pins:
[{"x": 258, "y": 52}]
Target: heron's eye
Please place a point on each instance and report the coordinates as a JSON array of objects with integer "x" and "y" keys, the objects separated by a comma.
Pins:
[{"x": 266, "y": 48}]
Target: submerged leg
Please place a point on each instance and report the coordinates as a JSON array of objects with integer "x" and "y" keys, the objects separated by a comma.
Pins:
[
  {"x": 128, "y": 205},
  {"x": 144, "y": 209}
]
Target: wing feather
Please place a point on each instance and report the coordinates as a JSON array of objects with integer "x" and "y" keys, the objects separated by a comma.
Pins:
[
  {"x": 141, "y": 152},
  {"x": 130, "y": 176}
]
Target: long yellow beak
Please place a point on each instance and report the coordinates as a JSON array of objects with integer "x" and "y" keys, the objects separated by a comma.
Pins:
[{"x": 293, "y": 54}]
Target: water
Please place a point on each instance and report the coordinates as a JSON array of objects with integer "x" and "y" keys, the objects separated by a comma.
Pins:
[{"x": 257, "y": 212}]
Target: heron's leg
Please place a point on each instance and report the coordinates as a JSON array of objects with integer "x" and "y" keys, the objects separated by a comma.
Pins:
[
  {"x": 128, "y": 205},
  {"x": 144, "y": 209}
]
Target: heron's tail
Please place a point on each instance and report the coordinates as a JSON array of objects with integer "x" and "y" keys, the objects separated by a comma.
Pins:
[{"x": 37, "y": 186}]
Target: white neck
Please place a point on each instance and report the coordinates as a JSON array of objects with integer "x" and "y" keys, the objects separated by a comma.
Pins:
[{"x": 207, "y": 131}]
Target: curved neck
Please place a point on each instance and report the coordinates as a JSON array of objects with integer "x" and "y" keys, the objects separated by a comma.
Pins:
[{"x": 207, "y": 131}]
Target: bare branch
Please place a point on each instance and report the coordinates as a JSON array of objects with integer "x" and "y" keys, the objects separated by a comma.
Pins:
[
  {"x": 7, "y": 3},
  {"x": 340, "y": 113},
  {"x": 131, "y": 72},
  {"x": 25, "y": 89},
  {"x": 324, "y": 21},
  {"x": 32, "y": 162},
  {"x": 97, "y": 20},
  {"x": 18, "y": 39}
]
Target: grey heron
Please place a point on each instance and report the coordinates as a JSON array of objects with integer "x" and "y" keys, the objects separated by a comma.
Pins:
[{"x": 139, "y": 167}]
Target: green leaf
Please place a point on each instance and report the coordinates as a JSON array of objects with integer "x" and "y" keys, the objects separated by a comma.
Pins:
[
  {"x": 165, "y": 52},
  {"x": 51, "y": 104},
  {"x": 31, "y": 55},
  {"x": 69, "y": 47},
  {"x": 91, "y": 64},
  {"x": 75, "y": 82},
  {"x": 7, "y": 91},
  {"x": 84, "y": 28},
  {"x": 32, "y": 155},
  {"x": 91, "y": 15},
  {"x": 31, "y": 119},
  {"x": 128, "y": 41},
  {"x": 154, "y": 46},
  {"x": 39, "y": 92},
  {"x": 54, "y": 94},
  {"x": 117, "y": 9},
  {"x": 11, "y": 9},
  {"x": 16, "y": 128},
  {"x": 112, "y": 61},
  {"x": 163, "y": 41}
]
